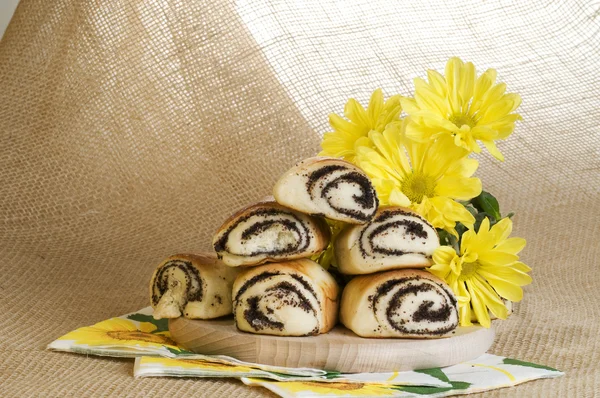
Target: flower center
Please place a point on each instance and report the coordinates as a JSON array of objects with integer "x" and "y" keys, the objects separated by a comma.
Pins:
[
  {"x": 416, "y": 186},
  {"x": 137, "y": 335},
  {"x": 468, "y": 270},
  {"x": 460, "y": 120}
]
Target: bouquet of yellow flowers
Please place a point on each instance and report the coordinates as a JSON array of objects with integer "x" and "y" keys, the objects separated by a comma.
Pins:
[{"x": 421, "y": 160}]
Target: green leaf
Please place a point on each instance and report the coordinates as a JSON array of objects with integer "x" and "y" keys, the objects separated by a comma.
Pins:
[
  {"x": 479, "y": 217},
  {"x": 472, "y": 209},
  {"x": 486, "y": 202},
  {"x": 332, "y": 374},
  {"x": 179, "y": 351},
  {"x": 460, "y": 385},
  {"x": 173, "y": 350},
  {"x": 162, "y": 325},
  {"x": 447, "y": 239},
  {"x": 509, "y": 361},
  {"x": 460, "y": 229},
  {"x": 422, "y": 390},
  {"x": 435, "y": 372}
]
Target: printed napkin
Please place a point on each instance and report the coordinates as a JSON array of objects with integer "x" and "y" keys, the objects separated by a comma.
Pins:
[
  {"x": 488, "y": 372},
  {"x": 139, "y": 335}
]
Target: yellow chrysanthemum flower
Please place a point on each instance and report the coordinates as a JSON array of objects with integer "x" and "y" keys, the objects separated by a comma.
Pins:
[
  {"x": 486, "y": 270},
  {"x": 120, "y": 332},
  {"x": 462, "y": 105},
  {"x": 340, "y": 142},
  {"x": 426, "y": 177}
]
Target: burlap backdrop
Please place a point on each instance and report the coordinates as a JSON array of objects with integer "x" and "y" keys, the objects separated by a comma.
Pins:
[{"x": 130, "y": 129}]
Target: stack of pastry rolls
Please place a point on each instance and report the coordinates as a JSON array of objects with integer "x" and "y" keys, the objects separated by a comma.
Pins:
[
  {"x": 263, "y": 274},
  {"x": 280, "y": 290},
  {"x": 391, "y": 296}
]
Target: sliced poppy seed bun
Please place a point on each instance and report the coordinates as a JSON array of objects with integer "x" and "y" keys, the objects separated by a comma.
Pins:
[
  {"x": 291, "y": 298},
  {"x": 396, "y": 238},
  {"x": 328, "y": 187},
  {"x": 197, "y": 286},
  {"x": 399, "y": 303},
  {"x": 267, "y": 231}
]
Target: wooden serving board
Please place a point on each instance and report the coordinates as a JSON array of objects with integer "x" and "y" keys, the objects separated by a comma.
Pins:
[{"x": 340, "y": 349}]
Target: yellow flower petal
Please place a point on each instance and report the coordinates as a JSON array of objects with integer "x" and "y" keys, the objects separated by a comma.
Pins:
[
  {"x": 464, "y": 305},
  {"x": 467, "y": 83},
  {"x": 427, "y": 98},
  {"x": 453, "y": 74},
  {"x": 481, "y": 313},
  {"x": 357, "y": 114},
  {"x": 438, "y": 83},
  {"x": 505, "y": 273},
  {"x": 416, "y": 133},
  {"x": 506, "y": 289},
  {"x": 452, "y": 210},
  {"x": 397, "y": 198},
  {"x": 490, "y": 298},
  {"x": 375, "y": 106},
  {"x": 519, "y": 266},
  {"x": 512, "y": 245},
  {"x": 470, "y": 257},
  {"x": 468, "y": 239},
  {"x": 440, "y": 156},
  {"x": 482, "y": 85},
  {"x": 340, "y": 124},
  {"x": 485, "y": 226},
  {"x": 492, "y": 96},
  {"x": 493, "y": 150},
  {"x": 409, "y": 104},
  {"x": 502, "y": 229},
  {"x": 439, "y": 270},
  {"x": 464, "y": 168},
  {"x": 493, "y": 257},
  {"x": 458, "y": 187},
  {"x": 443, "y": 255}
]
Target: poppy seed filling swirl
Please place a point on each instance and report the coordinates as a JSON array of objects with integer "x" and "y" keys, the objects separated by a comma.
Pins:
[
  {"x": 268, "y": 220},
  {"x": 165, "y": 277},
  {"x": 325, "y": 181},
  {"x": 415, "y": 306},
  {"x": 260, "y": 311},
  {"x": 368, "y": 236}
]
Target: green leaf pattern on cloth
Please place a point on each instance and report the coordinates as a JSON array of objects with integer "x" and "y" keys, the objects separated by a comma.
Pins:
[
  {"x": 162, "y": 325},
  {"x": 510, "y": 361}
]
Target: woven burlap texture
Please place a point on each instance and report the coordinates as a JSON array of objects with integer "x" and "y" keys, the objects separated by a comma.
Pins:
[{"x": 130, "y": 129}]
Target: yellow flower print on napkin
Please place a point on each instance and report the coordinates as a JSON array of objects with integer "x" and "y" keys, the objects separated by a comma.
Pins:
[
  {"x": 119, "y": 331},
  {"x": 129, "y": 335},
  {"x": 330, "y": 389}
]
